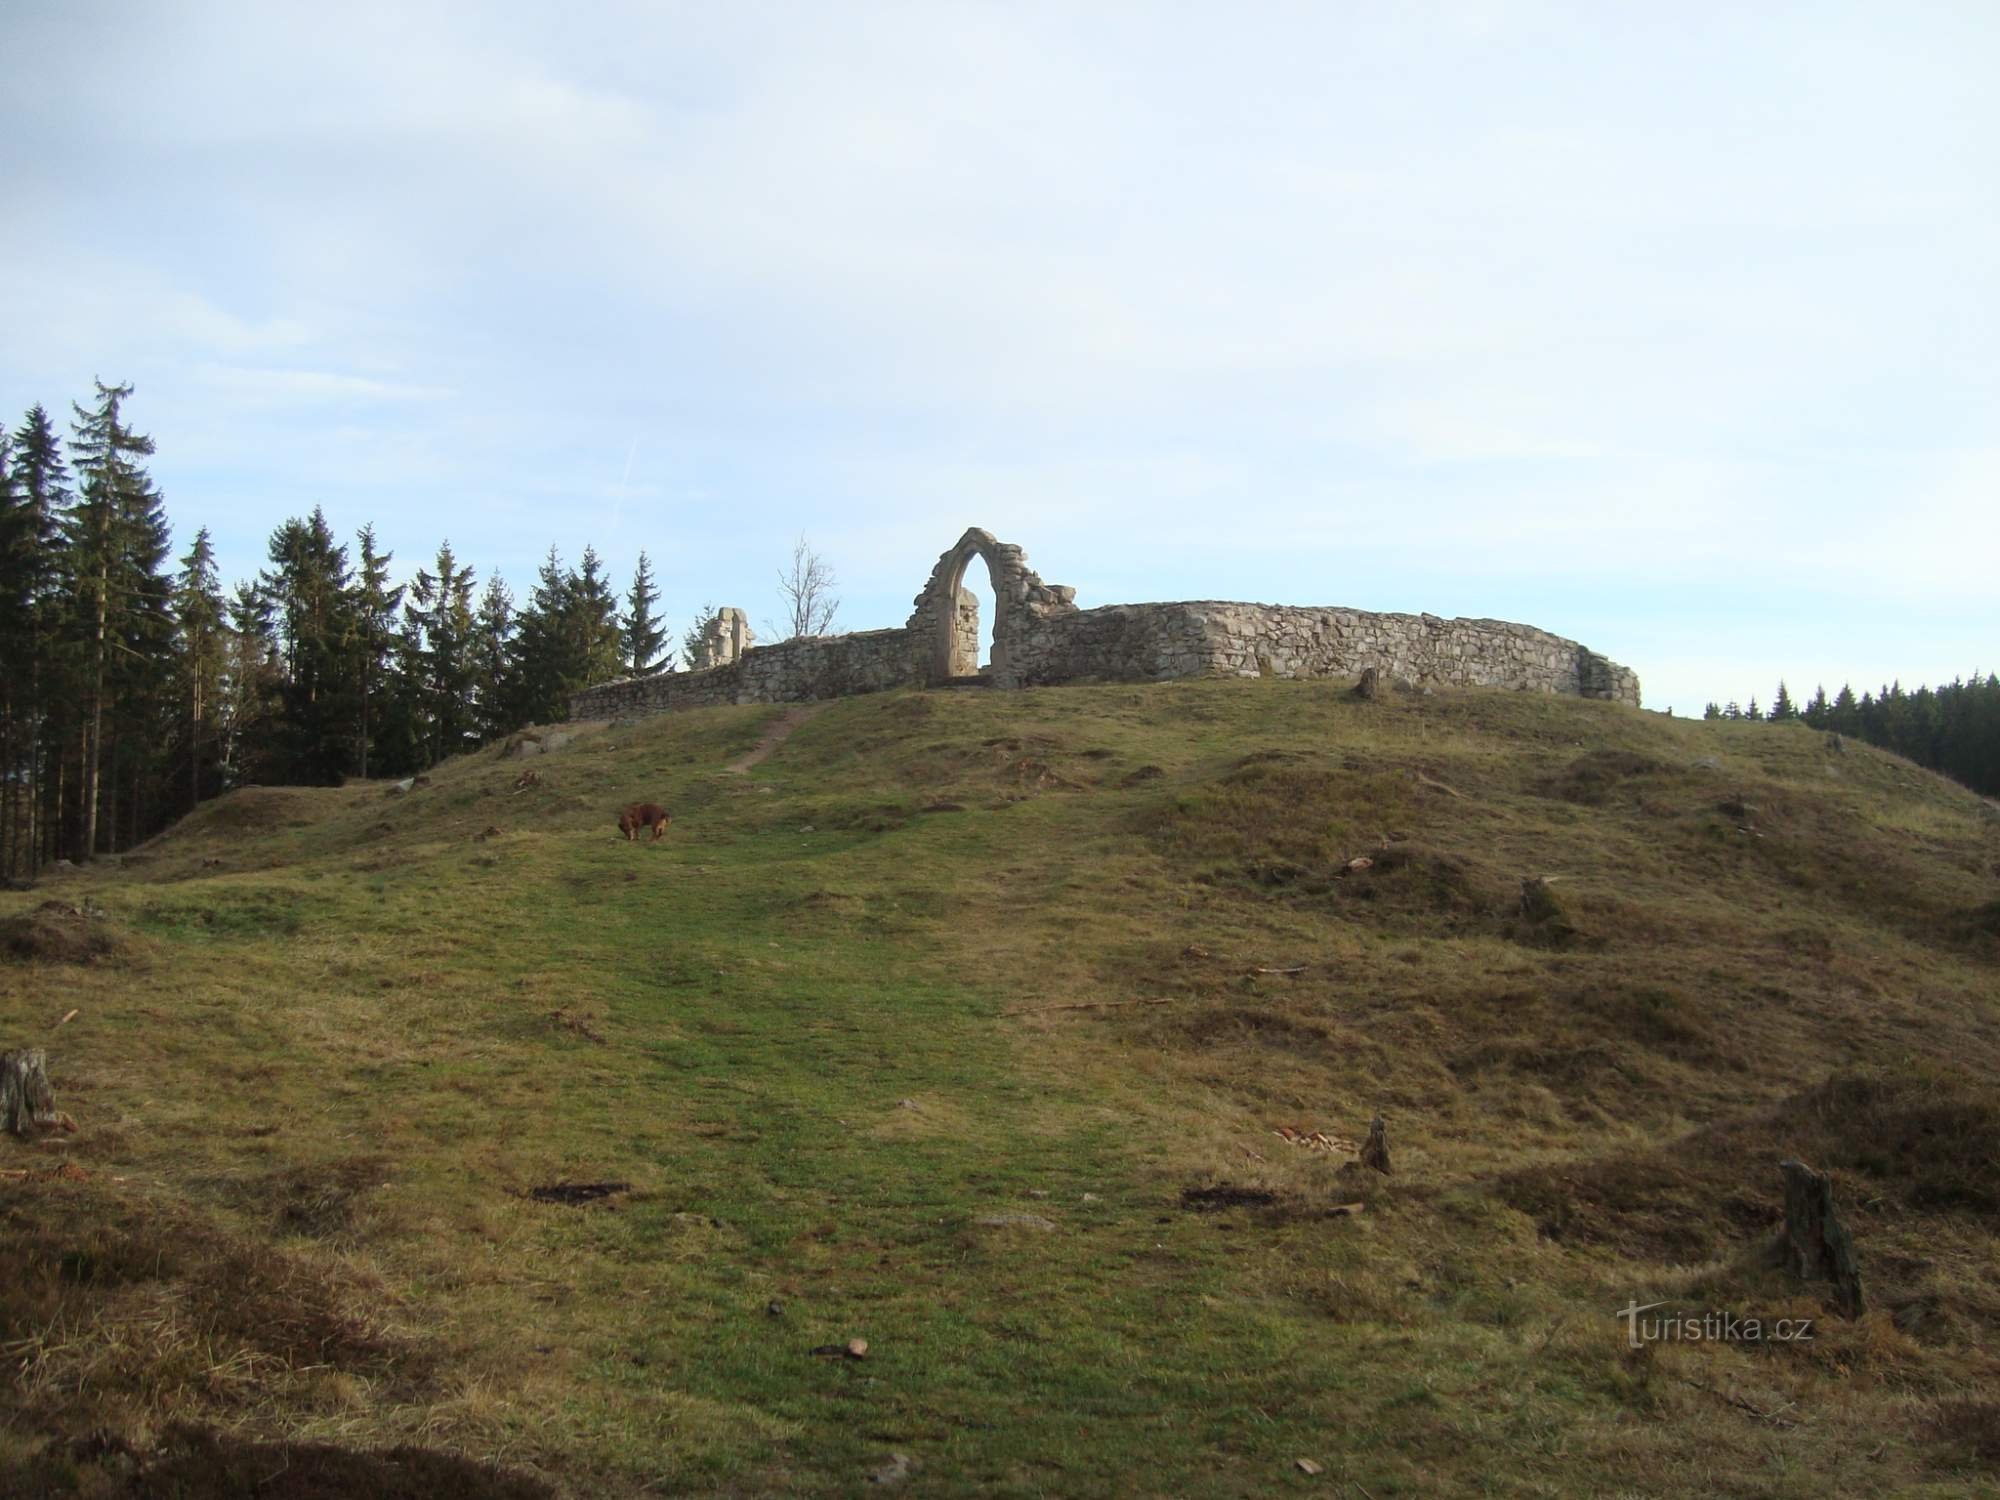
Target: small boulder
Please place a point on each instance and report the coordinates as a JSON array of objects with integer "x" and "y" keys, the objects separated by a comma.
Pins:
[{"x": 895, "y": 1471}]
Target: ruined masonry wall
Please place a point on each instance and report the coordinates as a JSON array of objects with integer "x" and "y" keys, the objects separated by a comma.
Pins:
[
  {"x": 1153, "y": 642},
  {"x": 833, "y": 666},
  {"x": 1041, "y": 637}
]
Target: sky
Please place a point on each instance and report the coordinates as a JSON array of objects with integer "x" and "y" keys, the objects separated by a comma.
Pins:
[{"x": 1672, "y": 329}]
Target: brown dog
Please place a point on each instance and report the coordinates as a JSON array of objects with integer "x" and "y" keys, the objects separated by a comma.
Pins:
[{"x": 644, "y": 815}]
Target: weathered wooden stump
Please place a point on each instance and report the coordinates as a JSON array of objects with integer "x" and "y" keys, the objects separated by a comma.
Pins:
[
  {"x": 1375, "y": 1150},
  {"x": 1369, "y": 688},
  {"x": 1538, "y": 902},
  {"x": 1816, "y": 1246},
  {"x": 27, "y": 1103}
]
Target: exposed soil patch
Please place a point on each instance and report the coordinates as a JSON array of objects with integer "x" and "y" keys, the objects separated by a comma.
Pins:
[
  {"x": 576, "y": 1194},
  {"x": 1223, "y": 1195},
  {"x": 775, "y": 734}
]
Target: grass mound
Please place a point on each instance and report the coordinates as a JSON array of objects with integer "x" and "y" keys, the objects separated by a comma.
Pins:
[
  {"x": 1930, "y": 1141},
  {"x": 61, "y": 932},
  {"x": 447, "y": 1141},
  {"x": 1592, "y": 780}
]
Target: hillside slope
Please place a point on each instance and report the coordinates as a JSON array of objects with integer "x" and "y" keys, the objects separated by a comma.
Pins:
[{"x": 965, "y": 1024}]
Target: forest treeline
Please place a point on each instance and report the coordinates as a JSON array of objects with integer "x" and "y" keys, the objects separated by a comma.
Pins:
[
  {"x": 133, "y": 684},
  {"x": 1954, "y": 728}
]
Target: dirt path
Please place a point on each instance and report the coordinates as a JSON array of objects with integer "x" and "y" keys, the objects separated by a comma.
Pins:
[{"x": 775, "y": 734}]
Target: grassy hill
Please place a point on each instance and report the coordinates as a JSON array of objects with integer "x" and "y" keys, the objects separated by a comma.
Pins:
[{"x": 965, "y": 1024}]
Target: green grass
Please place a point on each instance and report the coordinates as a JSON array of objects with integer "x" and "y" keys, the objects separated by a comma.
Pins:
[{"x": 946, "y": 957}]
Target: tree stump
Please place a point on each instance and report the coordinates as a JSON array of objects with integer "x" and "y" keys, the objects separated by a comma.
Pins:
[
  {"x": 1375, "y": 1150},
  {"x": 1369, "y": 687},
  {"x": 1816, "y": 1246},
  {"x": 27, "y": 1103},
  {"x": 1538, "y": 902}
]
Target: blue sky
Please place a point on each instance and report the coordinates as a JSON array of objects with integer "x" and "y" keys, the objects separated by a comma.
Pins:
[{"x": 1669, "y": 328}]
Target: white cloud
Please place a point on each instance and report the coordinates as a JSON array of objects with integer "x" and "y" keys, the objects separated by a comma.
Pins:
[{"x": 277, "y": 387}]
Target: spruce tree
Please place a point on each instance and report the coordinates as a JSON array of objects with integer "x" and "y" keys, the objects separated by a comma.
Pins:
[
  {"x": 598, "y": 654},
  {"x": 1846, "y": 714},
  {"x": 440, "y": 610},
  {"x": 1782, "y": 707},
  {"x": 17, "y": 633},
  {"x": 252, "y": 689},
  {"x": 312, "y": 595},
  {"x": 115, "y": 540},
  {"x": 403, "y": 736},
  {"x": 495, "y": 686},
  {"x": 199, "y": 611},
  {"x": 142, "y": 669},
  {"x": 642, "y": 636},
  {"x": 373, "y": 605},
  {"x": 691, "y": 639},
  {"x": 542, "y": 667},
  {"x": 36, "y": 659}
]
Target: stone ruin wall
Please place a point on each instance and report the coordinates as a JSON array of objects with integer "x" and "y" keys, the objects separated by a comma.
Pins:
[
  {"x": 832, "y": 666},
  {"x": 1040, "y": 637},
  {"x": 1212, "y": 638}
]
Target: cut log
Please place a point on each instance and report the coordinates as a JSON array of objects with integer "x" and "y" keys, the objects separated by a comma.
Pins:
[
  {"x": 1368, "y": 689},
  {"x": 1816, "y": 1246},
  {"x": 27, "y": 1103},
  {"x": 1375, "y": 1150}
]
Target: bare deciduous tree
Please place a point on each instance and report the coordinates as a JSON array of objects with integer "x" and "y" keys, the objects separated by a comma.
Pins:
[{"x": 810, "y": 603}]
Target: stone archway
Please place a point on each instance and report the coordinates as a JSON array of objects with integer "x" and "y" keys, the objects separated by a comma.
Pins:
[{"x": 947, "y": 648}]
